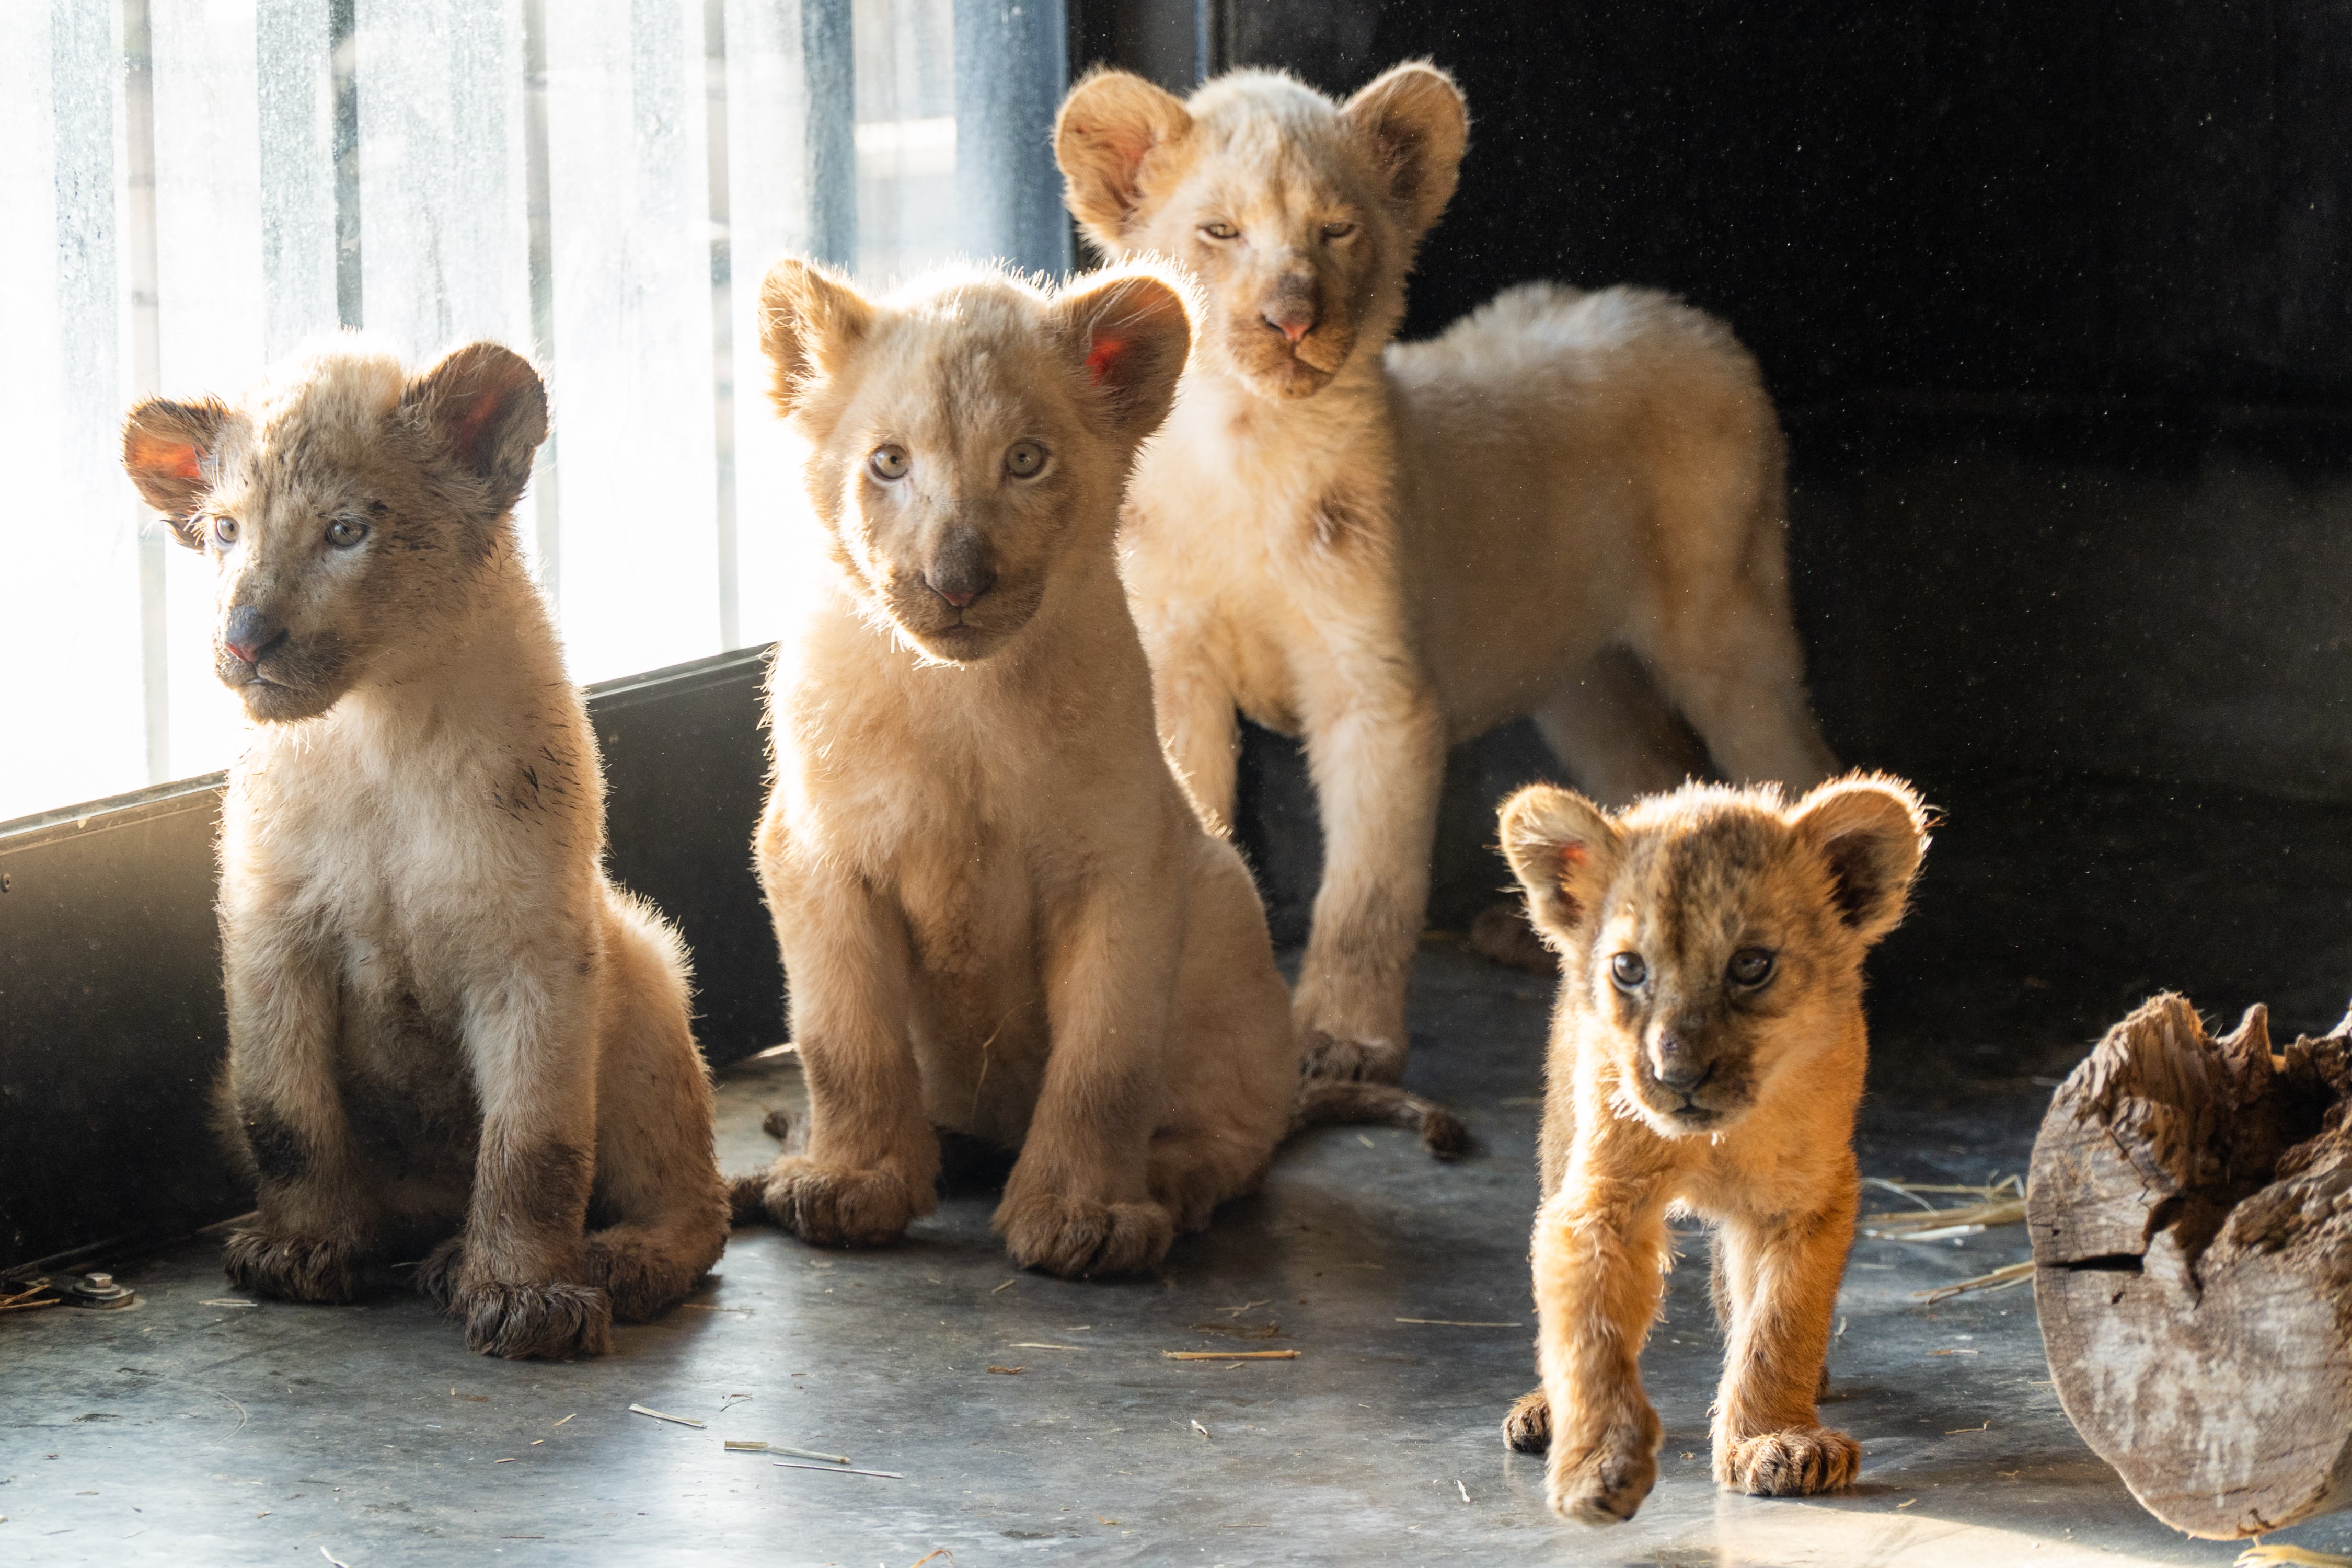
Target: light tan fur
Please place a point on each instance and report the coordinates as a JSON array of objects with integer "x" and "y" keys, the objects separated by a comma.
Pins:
[
  {"x": 1706, "y": 1057},
  {"x": 1390, "y": 549},
  {"x": 998, "y": 913},
  {"x": 442, "y": 1016}
]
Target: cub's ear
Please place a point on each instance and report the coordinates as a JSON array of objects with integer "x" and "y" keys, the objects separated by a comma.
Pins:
[
  {"x": 1565, "y": 850},
  {"x": 1414, "y": 117},
  {"x": 1872, "y": 830},
  {"x": 168, "y": 450},
  {"x": 1109, "y": 127},
  {"x": 1132, "y": 331},
  {"x": 811, "y": 321},
  {"x": 489, "y": 408}
]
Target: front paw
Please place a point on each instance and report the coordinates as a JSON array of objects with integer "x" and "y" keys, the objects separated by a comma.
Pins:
[
  {"x": 833, "y": 1205},
  {"x": 1798, "y": 1462},
  {"x": 1603, "y": 1485},
  {"x": 436, "y": 1276},
  {"x": 1528, "y": 1429},
  {"x": 291, "y": 1267},
  {"x": 1079, "y": 1237},
  {"x": 548, "y": 1321},
  {"x": 1329, "y": 1055}
]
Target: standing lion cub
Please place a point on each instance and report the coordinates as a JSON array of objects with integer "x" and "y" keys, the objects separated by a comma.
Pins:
[
  {"x": 1706, "y": 1057},
  {"x": 998, "y": 913},
  {"x": 1390, "y": 549},
  {"x": 446, "y": 1025}
]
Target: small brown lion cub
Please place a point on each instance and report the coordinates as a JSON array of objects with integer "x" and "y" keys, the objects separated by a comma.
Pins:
[
  {"x": 442, "y": 1016},
  {"x": 998, "y": 913},
  {"x": 1706, "y": 1058}
]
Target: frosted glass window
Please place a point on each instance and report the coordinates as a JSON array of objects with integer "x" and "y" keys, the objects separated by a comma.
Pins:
[{"x": 196, "y": 186}]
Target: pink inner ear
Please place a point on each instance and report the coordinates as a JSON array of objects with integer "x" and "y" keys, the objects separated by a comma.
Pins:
[
  {"x": 465, "y": 429},
  {"x": 169, "y": 459},
  {"x": 1103, "y": 357},
  {"x": 1571, "y": 855}
]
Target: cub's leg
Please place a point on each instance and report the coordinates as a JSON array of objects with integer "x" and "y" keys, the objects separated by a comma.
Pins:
[
  {"x": 1200, "y": 730},
  {"x": 1733, "y": 666},
  {"x": 1528, "y": 1429},
  {"x": 654, "y": 1169},
  {"x": 1613, "y": 734},
  {"x": 1781, "y": 1275},
  {"x": 318, "y": 1214},
  {"x": 1376, "y": 749},
  {"x": 1079, "y": 1201},
  {"x": 518, "y": 1279},
  {"x": 871, "y": 1158},
  {"x": 1599, "y": 1247}
]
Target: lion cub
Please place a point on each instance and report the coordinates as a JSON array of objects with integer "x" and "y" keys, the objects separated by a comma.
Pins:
[
  {"x": 1390, "y": 549},
  {"x": 1706, "y": 1057},
  {"x": 999, "y": 915},
  {"x": 442, "y": 1016}
]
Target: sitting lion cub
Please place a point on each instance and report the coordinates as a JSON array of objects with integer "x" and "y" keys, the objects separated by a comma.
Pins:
[
  {"x": 1706, "y": 1057},
  {"x": 441, "y": 1014},
  {"x": 1389, "y": 549},
  {"x": 998, "y": 913}
]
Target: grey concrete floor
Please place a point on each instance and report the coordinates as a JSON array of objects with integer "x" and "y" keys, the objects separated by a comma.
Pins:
[{"x": 198, "y": 1428}]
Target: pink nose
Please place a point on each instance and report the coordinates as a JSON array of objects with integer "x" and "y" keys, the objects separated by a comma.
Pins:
[
  {"x": 1291, "y": 327},
  {"x": 961, "y": 601}
]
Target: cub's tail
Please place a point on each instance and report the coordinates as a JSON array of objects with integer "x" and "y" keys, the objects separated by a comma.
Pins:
[{"x": 1325, "y": 1102}]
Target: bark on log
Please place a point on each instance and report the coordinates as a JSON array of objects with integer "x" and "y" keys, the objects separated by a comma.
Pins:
[{"x": 2191, "y": 1205}]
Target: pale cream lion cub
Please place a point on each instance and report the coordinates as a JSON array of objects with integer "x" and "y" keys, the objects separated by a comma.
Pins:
[
  {"x": 998, "y": 913},
  {"x": 442, "y": 1016},
  {"x": 1706, "y": 1057},
  {"x": 1388, "y": 550}
]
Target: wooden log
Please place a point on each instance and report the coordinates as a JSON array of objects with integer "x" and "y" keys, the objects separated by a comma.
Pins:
[{"x": 2191, "y": 1206}]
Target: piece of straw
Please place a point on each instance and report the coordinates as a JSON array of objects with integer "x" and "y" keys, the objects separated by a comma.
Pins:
[
  {"x": 2300, "y": 1556},
  {"x": 1459, "y": 1323},
  {"x": 1231, "y": 1355},
  {"x": 837, "y": 1471},
  {"x": 661, "y": 1415},
  {"x": 2000, "y": 1279},
  {"x": 2000, "y": 1202}
]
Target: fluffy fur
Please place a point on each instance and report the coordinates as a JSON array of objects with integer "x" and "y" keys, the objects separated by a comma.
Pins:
[
  {"x": 1388, "y": 550},
  {"x": 442, "y": 1016},
  {"x": 998, "y": 913},
  {"x": 1706, "y": 1057}
]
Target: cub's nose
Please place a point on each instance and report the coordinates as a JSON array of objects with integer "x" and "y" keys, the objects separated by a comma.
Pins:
[
  {"x": 1678, "y": 1066},
  {"x": 960, "y": 571},
  {"x": 1292, "y": 322},
  {"x": 250, "y": 634}
]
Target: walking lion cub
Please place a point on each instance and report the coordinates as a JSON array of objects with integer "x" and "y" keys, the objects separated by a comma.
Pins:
[
  {"x": 1706, "y": 1057},
  {"x": 1391, "y": 549},
  {"x": 446, "y": 1025},
  {"x": 998, "y": 913}
]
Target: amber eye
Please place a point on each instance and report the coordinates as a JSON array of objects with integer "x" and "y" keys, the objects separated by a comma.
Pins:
[
  {"x": 889, "y": 462},
  {"x": 224, "y": 530},
  {"x": 344, "y": 533},
  {"x": 1220, "y": 231},
  {"x": 1750, "y": 966},
  {"x": 1024, "y": 459},
  {"x": 1337, "y": 230},
  {"x": 1628, "y": 971}
]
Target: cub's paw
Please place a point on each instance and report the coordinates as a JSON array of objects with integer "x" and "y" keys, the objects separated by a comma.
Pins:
[
  {"x": 1326, "y": 1055},
  {"x": 291, "y": 1267},
  {"x": 833, "y": 1205},
  {"x": 1798, "y": 1462},
  {"x": 1603, "y": 1485},
  {"x": 552, "y": 1322},
  {"x": 1528, "y": 1429},
  {"x": 1078, "y": 1237},
  {"x": 643, "y": 1271},
  {"x": 436, "y": 1276}
]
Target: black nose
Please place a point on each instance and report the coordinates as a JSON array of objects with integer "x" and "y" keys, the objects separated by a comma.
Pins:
[
  {"x": 960, "y": 571},
  {"x": 1677, "y": 1066},
  {"x": 249, "y": 634}
]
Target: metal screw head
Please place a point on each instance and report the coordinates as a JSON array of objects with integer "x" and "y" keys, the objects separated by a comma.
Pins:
[
  {"x": 99, "y": 1290},
  {"x": 98, "y": 1281}
]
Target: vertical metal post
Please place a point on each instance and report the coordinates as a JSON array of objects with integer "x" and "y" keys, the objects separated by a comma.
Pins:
[
  {"x": 342, "y": 38},
  {"x": 146, "y": 360},
  {"x": 546, "y": 522},
  {"x": 722, "y": 314},
  {"x": 829, "y": 61},
  {"x": 1012, "y": 64}
]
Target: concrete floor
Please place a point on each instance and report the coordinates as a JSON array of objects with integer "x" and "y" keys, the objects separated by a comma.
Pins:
[{"x": 196, "y": 1428}]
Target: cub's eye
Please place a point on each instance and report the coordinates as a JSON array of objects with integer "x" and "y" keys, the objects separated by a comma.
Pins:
[
  {"x": 1628, "y": 971},
  {"x": 1220, "y": 231},
  {"x": 1337, "y": 230},
  {"x": 224, "y": 531},
  {"x": 889, "y": 462},
  {"x": 1024, "y": 459},
  {"x": 343, "y": 532},
  {"x": 1750, "y": 966}
]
